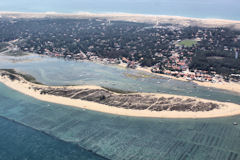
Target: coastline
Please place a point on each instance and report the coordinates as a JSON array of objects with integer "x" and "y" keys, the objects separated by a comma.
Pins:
[
  {"x": 141, "y": 18},
  {"x": 232, "y": 86},
  {"x": 26, "y": 87},
  {"x": 228, "y": 86}
]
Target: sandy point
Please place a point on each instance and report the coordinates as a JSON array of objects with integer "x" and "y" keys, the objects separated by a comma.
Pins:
[{"x": 27, "y": 88}]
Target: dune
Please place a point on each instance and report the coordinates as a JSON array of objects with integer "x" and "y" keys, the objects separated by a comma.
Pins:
[{"x": 23, "y": 86}]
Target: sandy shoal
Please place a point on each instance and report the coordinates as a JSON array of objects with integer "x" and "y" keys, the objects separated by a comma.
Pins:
[{"x": 226, "y": 109}]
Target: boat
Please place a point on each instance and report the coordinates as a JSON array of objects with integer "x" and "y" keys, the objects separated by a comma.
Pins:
[{"x": 235, "y": 123}]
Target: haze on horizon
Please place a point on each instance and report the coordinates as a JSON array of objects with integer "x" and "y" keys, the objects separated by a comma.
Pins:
[{"x": 225, "y": 9}]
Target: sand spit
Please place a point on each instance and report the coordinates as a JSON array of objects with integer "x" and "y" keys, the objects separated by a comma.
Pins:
[
  {"x": 87, "y": 97},
  {"x": 142, "y": 18}
]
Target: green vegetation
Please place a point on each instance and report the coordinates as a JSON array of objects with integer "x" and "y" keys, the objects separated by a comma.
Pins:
[
  {"x": 16, "y": 53},
  {"x": 188, "y": 43},
  {"x": 3, "y": 47},
  {"x": 9, "y": 70},
  {"x": 27, "y": 77},
  {"x": 117, "y": 90},
  {"x": 140, "y": 43},
  {"x": 30, "y": 78},
  {"x": 220, "y": 62}
]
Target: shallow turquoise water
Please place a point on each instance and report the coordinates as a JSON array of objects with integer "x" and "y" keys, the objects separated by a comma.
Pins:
[
  {"x": 53, "y": 71},
  {"x": 120, "y": 137},
  {"x": 110, "y": 136}
]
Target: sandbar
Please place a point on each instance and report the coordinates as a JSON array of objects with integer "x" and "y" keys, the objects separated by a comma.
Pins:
[{"x": 27, "y": 88}]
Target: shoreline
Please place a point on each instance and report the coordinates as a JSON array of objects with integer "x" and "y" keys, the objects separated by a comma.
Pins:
[
  {"x": 26, "y": 87},
  {"x": 132, "y": 17},
  {"x": 227, "y": 86}
]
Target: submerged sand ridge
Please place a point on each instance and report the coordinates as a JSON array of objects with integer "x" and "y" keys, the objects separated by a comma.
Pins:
[{"x": 128, "y": 104}]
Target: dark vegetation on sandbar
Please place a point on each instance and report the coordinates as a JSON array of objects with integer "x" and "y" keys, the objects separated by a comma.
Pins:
[
  {"x": 119, "y": 98},
  {"x": 11, "y": 73},
  {"x": 131, "y": 101}
]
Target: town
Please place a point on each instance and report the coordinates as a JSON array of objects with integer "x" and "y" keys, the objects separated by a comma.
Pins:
[{"x": 192, "y": 53}]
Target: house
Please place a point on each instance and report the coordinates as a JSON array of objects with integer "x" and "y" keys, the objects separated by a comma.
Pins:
[
  {"x": 125, "y": 60},
  {"x": 131, "y": 64}
]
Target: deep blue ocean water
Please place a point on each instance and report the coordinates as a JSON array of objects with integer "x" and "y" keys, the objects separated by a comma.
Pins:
[
  {"x": 54, "y": 131},
  {"x": 18, "y": 142},
  {"x": 224, "y": 9},
  {"x": 36, "y": 130},
  {"x": 72, "y": 133}
]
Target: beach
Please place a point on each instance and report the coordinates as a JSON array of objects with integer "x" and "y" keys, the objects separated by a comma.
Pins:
[
  {"x": 25, "y": 87},
  {"x": 184, "y": 21},
  {"x": 229, "y": 86},
  {"x": 141, "y": 18}
]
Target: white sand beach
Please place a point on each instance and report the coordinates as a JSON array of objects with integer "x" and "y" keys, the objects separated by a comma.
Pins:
[
  {"x": 25, "y": 87},
  {"x": 185, "y": 21},
  {"x": 229, "y": 86},
  {"x": 142, "y": 18}
]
